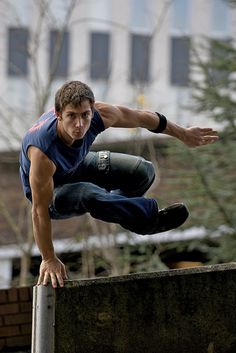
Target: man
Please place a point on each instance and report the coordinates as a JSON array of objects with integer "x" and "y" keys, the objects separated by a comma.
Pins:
[{"x": 63, "y": 179}]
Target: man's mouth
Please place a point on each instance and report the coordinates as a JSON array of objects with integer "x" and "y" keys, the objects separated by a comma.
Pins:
[{"x": 78, "y": 132}]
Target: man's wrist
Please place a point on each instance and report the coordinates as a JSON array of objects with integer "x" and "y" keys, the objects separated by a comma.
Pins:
[
  {"x": 48, "y": 256},
  {"x": 177, "y": 131},
  {"x": 49, "y": 260}
]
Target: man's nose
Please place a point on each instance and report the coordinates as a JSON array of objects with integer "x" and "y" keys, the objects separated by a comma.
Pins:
[{"x": 79, "y": 122}]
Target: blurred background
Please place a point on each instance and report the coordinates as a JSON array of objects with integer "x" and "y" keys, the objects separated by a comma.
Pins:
[{"x": 177, "y": 57}]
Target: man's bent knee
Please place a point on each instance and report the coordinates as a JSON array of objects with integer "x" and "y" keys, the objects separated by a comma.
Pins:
[
  {"x": 133, "y": 174},
  {"x": 143, "y": 176}
]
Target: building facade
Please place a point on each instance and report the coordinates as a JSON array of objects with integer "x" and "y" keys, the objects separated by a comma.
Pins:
[{"x": 133, "y": 52}]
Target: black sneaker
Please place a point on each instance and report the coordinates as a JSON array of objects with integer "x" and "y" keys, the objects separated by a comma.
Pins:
[{"x": 170, "y": 218}]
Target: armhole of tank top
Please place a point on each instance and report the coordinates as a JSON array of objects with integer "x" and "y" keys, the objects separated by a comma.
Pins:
[
  {"x": 99, "y": 120},
  {"x": 46, "y": 154},
  {"x": 52, "y": 160}
]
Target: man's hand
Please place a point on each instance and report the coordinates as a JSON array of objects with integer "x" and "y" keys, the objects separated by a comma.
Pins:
[
  {"x": 196, "y": 136},
  {"x": 52, "y": 269}
]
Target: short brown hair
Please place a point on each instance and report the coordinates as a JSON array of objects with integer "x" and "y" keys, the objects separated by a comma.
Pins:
[{"x": 73, "y": 92}]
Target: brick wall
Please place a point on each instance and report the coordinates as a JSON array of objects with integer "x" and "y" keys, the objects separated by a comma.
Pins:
[{"x": 15, "y": 319}]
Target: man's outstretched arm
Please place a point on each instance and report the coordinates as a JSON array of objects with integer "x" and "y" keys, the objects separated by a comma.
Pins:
[
  {"x": 121, "y": 116},
  {"x": 41, "y": 182}
]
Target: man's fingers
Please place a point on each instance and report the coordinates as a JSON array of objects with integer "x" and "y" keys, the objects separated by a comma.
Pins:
[
  {"x": 209, "y": 139},
  {"x": 208, "y": 131},
  {"x": 64, "y": 274},
  {"x": 214, "y": 133},
  {"x": 54, "y": 279},
  {"x": 46, "y": 278},
  {"x": 208, "y": 136},
  {"x": 40, "y": 279},
  {"x": 60, "y": 280}
]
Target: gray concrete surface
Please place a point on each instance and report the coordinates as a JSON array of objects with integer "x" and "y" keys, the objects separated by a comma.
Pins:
[{"x": 177, "y": 311}]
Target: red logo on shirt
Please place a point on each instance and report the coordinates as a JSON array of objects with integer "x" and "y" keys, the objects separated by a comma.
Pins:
[{"x": 38, "y": 126}]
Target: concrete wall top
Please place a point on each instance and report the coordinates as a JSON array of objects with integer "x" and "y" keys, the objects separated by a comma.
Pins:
[{"x": 177, "y": 311}]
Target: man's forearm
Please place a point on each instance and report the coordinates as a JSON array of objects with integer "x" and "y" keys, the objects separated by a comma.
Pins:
[
  {"x": 43, "y": 234},
  {"x": 158, "y": 123}
]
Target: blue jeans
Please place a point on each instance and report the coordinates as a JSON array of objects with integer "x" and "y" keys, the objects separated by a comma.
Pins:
[{"x": 110, "y": 186}]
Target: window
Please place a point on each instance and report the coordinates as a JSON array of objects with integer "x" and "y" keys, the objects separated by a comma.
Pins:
[
  {"x": 99, "y": 55},
  {"x": 18, "y": 51},
  {"x": 140, "y": 58},
  {"x": 59, "y": 53},
  {"x": 180, "y": 61}
]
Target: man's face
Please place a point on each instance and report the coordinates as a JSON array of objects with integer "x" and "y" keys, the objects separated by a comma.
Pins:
[{"x": 74, "y": 122}]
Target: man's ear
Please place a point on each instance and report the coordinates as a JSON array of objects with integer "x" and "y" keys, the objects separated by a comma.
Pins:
[{"x": 58, "y": 114}]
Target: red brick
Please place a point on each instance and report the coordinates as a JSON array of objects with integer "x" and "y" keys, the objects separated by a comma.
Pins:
[
  {"x": 26, "y": 329},
  {"x": 12, "y": 295},
  {"x": 7, "y": 331},
  {"x": 26, "y": 307},
  {"x": 24, "y": 294},
  {"x": 9, "y": 309},
  {"x": 18, "y": 319},
  {"x": 21, "y": 341},
  {"x": 3, "y": 296}
]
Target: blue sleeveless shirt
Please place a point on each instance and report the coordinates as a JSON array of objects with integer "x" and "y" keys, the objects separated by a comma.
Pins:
[{"x": 43, "y": 135}]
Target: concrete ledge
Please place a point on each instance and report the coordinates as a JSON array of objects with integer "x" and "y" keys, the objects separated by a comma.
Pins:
[{"x": 177, "y": 311}]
